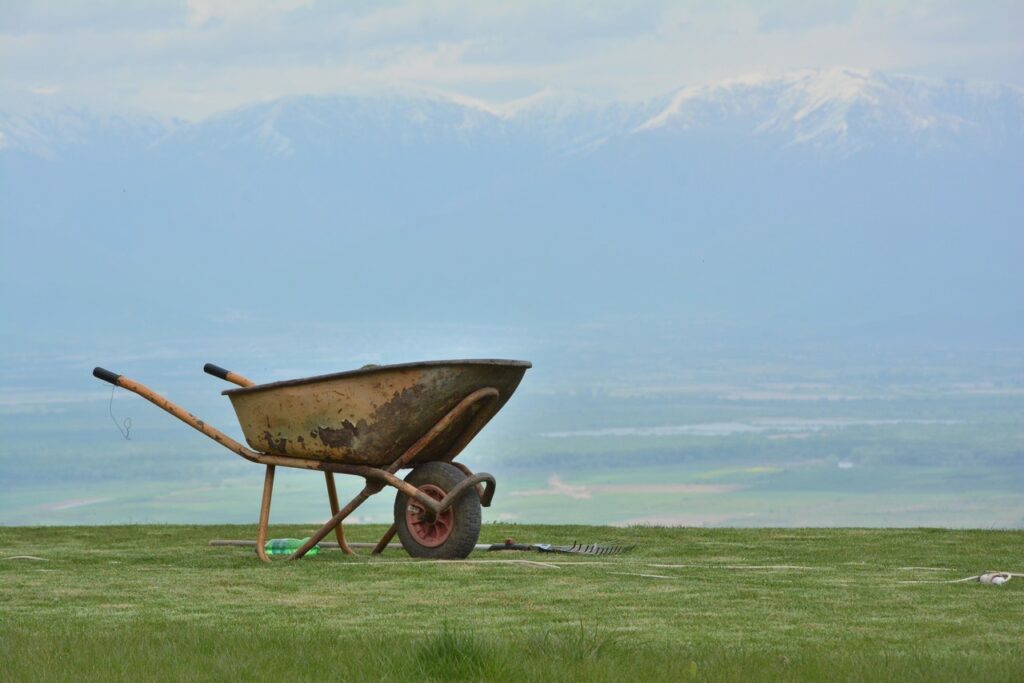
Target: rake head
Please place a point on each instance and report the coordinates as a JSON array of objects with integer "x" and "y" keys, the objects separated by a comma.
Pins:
[
  {"x": 574, "y": 549},
  {"x": 591, "y": 549}
]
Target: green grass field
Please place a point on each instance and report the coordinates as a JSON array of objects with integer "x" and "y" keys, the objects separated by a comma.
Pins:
[{"x": 155, "y": 603}]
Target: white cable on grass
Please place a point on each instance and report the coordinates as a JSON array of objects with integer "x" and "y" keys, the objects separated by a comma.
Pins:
[
  {"x": 27, "y": 557},
  {"x": 451, "y": 563},
  {"x": 649, "y": 576},
  {"x": 780, "y": 567},
  {"x": 925, "y": 569},
  {"x": 988, "y": 578}
]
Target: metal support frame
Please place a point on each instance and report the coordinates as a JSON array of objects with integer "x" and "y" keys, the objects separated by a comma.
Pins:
[{"x": 332, "y": 496}]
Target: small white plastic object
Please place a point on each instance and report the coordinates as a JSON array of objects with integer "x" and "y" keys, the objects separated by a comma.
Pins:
[{"x": 995, "y": 578}]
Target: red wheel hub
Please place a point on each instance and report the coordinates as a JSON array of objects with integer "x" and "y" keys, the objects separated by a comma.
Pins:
[{"x": 429, "y": 531}]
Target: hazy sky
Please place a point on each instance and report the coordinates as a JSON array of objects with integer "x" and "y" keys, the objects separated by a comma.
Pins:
[{"x": 190, "y": 58}]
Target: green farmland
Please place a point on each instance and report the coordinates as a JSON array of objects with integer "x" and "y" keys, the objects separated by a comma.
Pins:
[
  {"x": 914, "y": 455},
  {"x": 156, "y": 603}
]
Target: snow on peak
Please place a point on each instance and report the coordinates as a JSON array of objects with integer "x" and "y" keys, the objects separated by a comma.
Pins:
[{"x": 838, "y": 106}]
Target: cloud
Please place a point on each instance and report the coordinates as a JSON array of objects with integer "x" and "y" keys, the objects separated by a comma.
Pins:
[
  {"x": 203, "y": 11},
  {"x": 198, "y": 57}
]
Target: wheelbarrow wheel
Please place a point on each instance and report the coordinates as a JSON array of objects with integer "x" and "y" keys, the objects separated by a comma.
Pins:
[{"x": 447, "y": 536}]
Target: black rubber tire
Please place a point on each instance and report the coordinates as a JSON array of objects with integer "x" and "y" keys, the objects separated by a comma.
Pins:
[{"x": 465, "y": 513}]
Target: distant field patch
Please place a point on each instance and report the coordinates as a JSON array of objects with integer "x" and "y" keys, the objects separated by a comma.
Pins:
[
  {"x": 694, "y": 519},
  {"x": 556, "y": 487},
  {"x": 73, "y": 503},
  {"x": 758, "y": 425},
  {"x": 727, "y": 472}
]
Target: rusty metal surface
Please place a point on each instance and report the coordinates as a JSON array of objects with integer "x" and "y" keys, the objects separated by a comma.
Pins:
[
  {"x": 241, "y": 381},
  {"x": 372, "y": 416},
  {"x": 261, "y": 534},
  {"x": 332, "y": 498}
]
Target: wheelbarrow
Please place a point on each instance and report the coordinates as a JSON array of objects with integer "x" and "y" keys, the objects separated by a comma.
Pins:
[{"x": 371, "y": 423}]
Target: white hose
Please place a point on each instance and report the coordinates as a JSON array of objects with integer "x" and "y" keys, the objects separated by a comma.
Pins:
[{"x": 988, "y": 578}]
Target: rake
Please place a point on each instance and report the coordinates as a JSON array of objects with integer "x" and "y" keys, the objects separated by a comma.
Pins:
[{"x": 574, "y": 549}]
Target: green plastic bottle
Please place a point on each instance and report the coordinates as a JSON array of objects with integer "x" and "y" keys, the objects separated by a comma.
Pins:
[{"x": 287, "y": 546}]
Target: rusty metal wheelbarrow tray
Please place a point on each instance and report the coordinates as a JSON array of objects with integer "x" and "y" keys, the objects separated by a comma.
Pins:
[
  {"x": 371, "y": 423},
  {"x": 373, "y": 415}
]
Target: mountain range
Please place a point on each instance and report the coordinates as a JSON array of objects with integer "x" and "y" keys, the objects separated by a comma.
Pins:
[
  {"x": 832, "y": 196},
  {"x": 839, "y": 110}
]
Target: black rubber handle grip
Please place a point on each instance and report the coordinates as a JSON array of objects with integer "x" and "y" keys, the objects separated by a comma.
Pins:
[
  {"x": 105, "y": 375},
  {"x": 216, "y": 370}
]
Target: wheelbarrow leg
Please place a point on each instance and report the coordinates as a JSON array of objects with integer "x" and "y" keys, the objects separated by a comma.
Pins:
[
  {"x": 371, "y": 488},
  {"x": 385, "y": 539},
  {"x": 261, "y": 536},
  {"x": 339, "y": 531}
]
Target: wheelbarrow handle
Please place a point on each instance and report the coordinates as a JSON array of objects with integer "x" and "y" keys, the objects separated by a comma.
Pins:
[
  {"x": 178, "y": 412},
  {"x": 216, "y": 371},
  {"x": 106, "y": 375},
  {"x": 226, "y": 375}
]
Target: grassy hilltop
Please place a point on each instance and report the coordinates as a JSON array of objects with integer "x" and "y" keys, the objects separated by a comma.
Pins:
[{"x": 155, "y": 603}]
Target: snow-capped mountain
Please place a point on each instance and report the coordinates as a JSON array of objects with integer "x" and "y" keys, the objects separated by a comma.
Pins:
[
  {"x": 552, "y": 121},
  {"x": 51, "y": 131},
  {"x": 839, "y": 112},
  {"x": 847, "y": 110}
]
